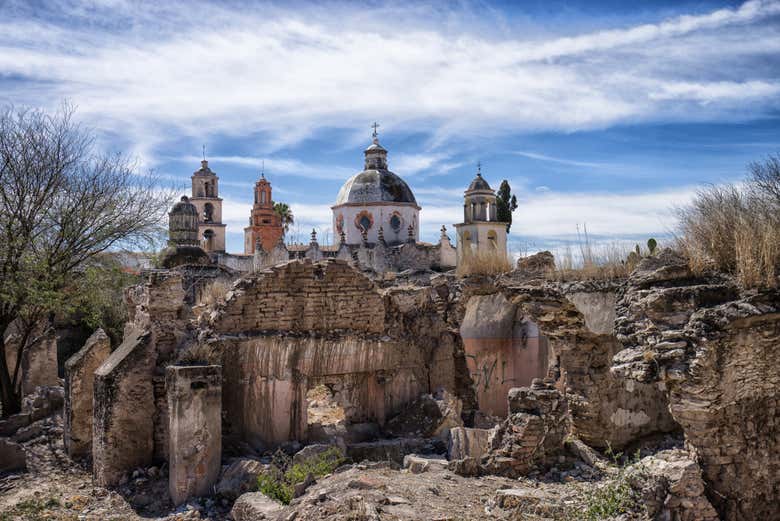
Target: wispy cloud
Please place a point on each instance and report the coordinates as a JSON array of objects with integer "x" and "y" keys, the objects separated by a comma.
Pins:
[
  {"x": 272, "y": 166},
  {"x": 285, "y": 72},
  {"x": 563, "y": 161}
]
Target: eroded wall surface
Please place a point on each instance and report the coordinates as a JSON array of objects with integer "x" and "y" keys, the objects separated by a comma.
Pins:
[{"x": 717, "y": 352}]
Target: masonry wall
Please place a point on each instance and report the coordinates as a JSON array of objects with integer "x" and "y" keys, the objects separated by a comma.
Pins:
[
  {"x": 79, "y": 393},
  {"x": 303, "y": 296},
  {"x": 266, "y": 379},
  {"x": 195, "y": 416},
  {"x": 124, "y": 409}
]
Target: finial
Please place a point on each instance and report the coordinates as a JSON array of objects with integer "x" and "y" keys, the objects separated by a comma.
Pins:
[
  {"x": 479, "y": 168},
  {"x": 343, "y": 236},
  {"x": 262, "y": 170},
  {"x": 313, "y": 235},
  {"x": 411, "y": 233},
  {"x": 381, "y": 235},
  {"x": 443, "y": 231},
  {"x": 204, "y": 152},
  {"x": 375, "y": 134}
]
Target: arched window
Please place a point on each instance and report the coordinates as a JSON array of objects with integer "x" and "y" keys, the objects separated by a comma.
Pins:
[
  {"x": 365, "y": 222},
  {"x": 208, "y": 240},
  {"x": 492, "y": 240},
  {"x": 262, "y": 197},
  {"x": 395, "y": 223},
  {"x": 208, "y": 212}
]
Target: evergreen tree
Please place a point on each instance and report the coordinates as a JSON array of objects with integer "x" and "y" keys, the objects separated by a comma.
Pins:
[{"x": 506, "y": 203}]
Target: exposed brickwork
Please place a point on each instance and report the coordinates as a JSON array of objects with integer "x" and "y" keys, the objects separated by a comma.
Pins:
[{"x": 300, "y": 297}]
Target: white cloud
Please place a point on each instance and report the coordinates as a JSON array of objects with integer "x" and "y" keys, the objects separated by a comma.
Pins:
[
  {"x": 273, "y": 166},
  {"x": 542, "y": 157},
  {"x": 287, "y": 72}
]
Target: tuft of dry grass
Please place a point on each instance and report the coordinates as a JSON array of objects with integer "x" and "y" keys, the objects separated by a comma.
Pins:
[
  {"x": 603, "y": 261},
  {"x": 199, "y": 354},
  {"x": 483, "y": 262},
  {"x": 736, "y": 228},
  {"x": 213, "y": 293}
]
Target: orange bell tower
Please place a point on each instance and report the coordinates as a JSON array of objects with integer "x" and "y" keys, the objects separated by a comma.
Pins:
[{"x": 264, "y": 224}]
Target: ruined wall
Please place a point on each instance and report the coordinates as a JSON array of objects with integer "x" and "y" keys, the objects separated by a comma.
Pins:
[
  {"x": 300, "y": 297},
  {"x": 79, "y": 393},
  {"x": 124, "y": 409},
  {"x": 503, "y": 350},
  {"x": 717, "y": 352},
  {"x": 195, "y": 411},
  {"x": 297, "y": 325},
  {"x": 266, "y": 379}
]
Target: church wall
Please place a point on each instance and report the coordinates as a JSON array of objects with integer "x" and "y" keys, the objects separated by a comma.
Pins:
[{"x": 381, "y": 215}]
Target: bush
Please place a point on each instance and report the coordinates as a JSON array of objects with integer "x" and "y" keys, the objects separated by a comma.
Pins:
[
  {"x": 736, "y": 228},
  {"x": 279, "y": 481},
  {"x": 614, "y": 498}
]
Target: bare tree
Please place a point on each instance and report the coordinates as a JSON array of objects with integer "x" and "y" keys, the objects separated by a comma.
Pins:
[{"x": 61, "y": 204}]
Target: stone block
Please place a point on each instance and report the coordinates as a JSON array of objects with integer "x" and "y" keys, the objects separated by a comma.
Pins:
[
  {"x": 195, "y": 435},
  {"x": 466, "y": 442},
  {"x": 124, "y": 409},
  {"x": 12, "y": 456},
  {"x": 79, "y": 393},
  {"x": 255, "y": 506},
  {"x": 419, "y": 464},
  {"x": 239, "y": 478}
]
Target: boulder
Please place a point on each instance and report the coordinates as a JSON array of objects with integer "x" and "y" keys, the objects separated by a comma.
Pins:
[
  {"x": 314, "y": 450},
  {"x": 466, "y": 442},
  {"x": 419, "y": 464},
  {"x": 671, "y": 487},
  {"x": 12, "y": 456},
  {"x": 537, "y": 264},
  {"x": 239, "y": 477},
  {"x": 255, "y": 506},
  {"x": 431, "y": 415}
]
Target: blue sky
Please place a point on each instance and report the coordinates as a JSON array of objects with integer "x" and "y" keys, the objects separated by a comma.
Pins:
[{"x": 601, "y": 114}]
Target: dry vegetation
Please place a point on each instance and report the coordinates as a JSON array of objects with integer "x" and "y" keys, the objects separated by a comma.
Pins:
[
  {"x": 213, "y": 293},
  {"x": 735, "y": 228},
  {"x": 484, "y": 262}
]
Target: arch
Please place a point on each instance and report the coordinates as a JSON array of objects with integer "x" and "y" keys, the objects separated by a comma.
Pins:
[
  {"x": 208, "y": 239},
  {"x": 208, "y": 212},
  {"x": 492, "y": 239}
]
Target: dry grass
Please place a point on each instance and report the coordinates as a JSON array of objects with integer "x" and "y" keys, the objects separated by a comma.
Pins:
[
  {"x": 199, "y": 354},
  {"x": 213, "y": 293},
  {"x": 736, "y": 228},
  {"x": 483, "y": 262},
  {"x": 588, "y": 261}
]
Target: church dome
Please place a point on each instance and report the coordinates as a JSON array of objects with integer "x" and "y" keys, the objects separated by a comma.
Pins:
[
  {"x": 479, "y": 184},
  {"x": 375, "y": 186}
]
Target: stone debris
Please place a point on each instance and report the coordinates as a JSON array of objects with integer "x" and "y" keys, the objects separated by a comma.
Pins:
[
  {"x": 431, "y": 415},
  {"x": 419, "y": 464},
  {"x": 255, "y": 506},
  {"x": 239, "y": 477}
]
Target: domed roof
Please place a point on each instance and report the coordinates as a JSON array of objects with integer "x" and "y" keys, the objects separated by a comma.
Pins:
[
  {"x": 184, "y": 207},
  {"x": 479, "y": 184},
  {"x": 204, "y": 169},
  {"x": 375, "y": 186}
]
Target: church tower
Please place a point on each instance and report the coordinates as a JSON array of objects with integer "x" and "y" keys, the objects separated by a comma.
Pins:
[
  {"x": 205, "y": 197},
  {"x": 480, "y": 230},
  {"x": 265, "y": 225}
]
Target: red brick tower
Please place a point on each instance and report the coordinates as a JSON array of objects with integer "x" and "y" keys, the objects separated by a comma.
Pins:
[{"x": 264, "y": 223}]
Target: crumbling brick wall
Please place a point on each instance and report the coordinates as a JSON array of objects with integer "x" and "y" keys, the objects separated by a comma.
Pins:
[{"x": 301, "y": 297}]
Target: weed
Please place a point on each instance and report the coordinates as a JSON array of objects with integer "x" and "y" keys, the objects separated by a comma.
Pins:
[
  {"x": 279, "y": 481},
  {"x": 34, "y": 509}
]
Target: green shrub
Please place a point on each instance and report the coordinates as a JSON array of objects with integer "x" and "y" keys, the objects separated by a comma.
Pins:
[
  {"x": 614, "y": 498},
  {"x": 279, "y": 481}
]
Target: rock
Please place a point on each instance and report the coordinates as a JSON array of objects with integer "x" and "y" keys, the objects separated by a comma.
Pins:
[
  {"x": 255, "y": 506},
  {"x": 311, "y": 451},
  {"x": 537, "y": 264},
  {"x": 671, "y": 486},
  {"x": 419, "y": 464},
  {"x": 12, "y": 456},
  {"x": 514, "y": 498},
  {"x": 428, "y": 416},
  {"x": 239, "y": 477},
  {"x": 579, "y": 450},
  {"x": 466, "y": 442},
  {"x": 533, "y": 433},
  {"x": 300, "y": 488},
  {"x": 468, "y": 467},
  {"x": 394, "y": 450}
]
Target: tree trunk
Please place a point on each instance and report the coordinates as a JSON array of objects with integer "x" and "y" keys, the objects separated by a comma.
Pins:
[{"x": 10, "y": 399}]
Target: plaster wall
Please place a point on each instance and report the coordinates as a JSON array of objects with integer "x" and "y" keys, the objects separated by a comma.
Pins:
[{"x": 381, "y": 215}]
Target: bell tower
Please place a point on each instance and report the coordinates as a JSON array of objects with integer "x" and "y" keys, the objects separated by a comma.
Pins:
[
  {"x": 265, "y": 225},
  {"x": 480, "y": 230},
  {"x": 205, "y": 197}
]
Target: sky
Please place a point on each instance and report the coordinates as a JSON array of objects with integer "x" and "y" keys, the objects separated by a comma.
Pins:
[{"x": 602, "y": 115}]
